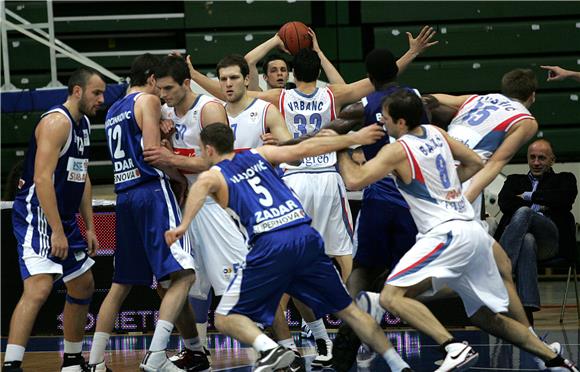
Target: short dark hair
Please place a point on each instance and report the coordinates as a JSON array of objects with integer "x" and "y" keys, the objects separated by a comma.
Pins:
[
  {"x": 306, "y": 65},
  {"x": 233, "y": 60},
  {"x": 381, "y": 66},
  {"x": 519, "y": 84},
  {"x": 219, "y": 135},
  {"x": 440, "y": 114},
  {"x": 142, "y": 68},
  {"x": 404, "y": 104},
  {"x": 272, "y": 57},
  {"x": 81, "y": 77},
  {"x": 174, "y": 67}
]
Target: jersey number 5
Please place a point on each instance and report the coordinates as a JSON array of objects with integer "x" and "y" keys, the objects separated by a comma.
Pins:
[{"x": 266, "y": 200}]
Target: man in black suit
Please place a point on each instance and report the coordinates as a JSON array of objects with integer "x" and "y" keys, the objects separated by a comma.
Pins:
[{"x": 537, "y": 223}]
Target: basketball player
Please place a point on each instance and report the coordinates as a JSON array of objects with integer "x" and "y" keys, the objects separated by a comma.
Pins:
[
  {"x": 219, "y": 246},
  {"x": 287, "y": 255},
  {"x": 54, "y": 187},
  {"x": 452, "y": 249},
  {"x": 146, "y": 206}
]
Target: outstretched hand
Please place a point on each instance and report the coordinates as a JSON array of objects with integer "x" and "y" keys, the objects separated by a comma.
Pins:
[
  {"x": 556, "y": 73},
  {"x": 315, "y": 46},
  {"x": 369, "y": 134},
  {"x": 423, "y": 41}
]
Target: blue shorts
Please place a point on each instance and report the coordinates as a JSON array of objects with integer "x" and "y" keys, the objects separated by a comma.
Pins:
[
  {"x": 385, "y": 232},
  {"x": 33, "y": 232},
  {"x": 144, "y": 213},
  {"x": 286, "y": 261}
]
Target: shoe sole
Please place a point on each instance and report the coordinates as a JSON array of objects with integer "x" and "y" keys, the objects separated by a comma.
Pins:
[
  {"x": 283, "y": 361},
  {"x": 469, "y": 362}
]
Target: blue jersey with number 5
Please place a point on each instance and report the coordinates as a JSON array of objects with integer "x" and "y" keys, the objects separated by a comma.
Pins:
[
  {"x": 258, "y": 199},
  {"x": 125, "y": 141}
]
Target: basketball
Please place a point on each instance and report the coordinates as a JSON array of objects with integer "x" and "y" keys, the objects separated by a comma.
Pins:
[{"x": 295, "y": 36}]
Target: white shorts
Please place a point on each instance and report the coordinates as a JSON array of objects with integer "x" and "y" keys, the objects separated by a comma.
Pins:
[
  {"x": 323, "y": 196},
  {"x": 458, "y": 254},
  {"x": 219, "y": 248}
]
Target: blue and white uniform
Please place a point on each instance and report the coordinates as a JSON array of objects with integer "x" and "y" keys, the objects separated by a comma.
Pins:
[
  {"x": 249, "y": 125},
  {"x": 385, "y": 229},
  {"x": 146, "y": 206},
  {"x": 286, "y": 254},
  {"x": 482, "y": 123},
  {"x": 316, "y": 181},
  {"x": 218, "y": 245},
  {"x": 30, "y": 225},
  {"x": 452, "y": 249}
]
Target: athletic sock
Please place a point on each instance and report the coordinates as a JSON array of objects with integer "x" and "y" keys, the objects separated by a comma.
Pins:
[
  {"x": 72, "y": 353},
  {"x": 263, "y": 343},
  {"x": 161, "y": 335},
  {"x": 318, "y": 329},
  {"x": 202, "y": 333},
  {"x": 193, "y": 344},
  {"x": 100, "y": 341},
  {"x": 73, "y": 347},
  {"x": 394, "y": 360},
  {"x": 14, "y": 353},
  {"x": 288, "y": 344}
]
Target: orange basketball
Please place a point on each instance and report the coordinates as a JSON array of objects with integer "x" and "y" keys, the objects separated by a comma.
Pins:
[{"x": 295, "y": 36}]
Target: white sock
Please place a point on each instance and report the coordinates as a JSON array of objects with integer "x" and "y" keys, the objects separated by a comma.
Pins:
[
  {"x": 161, "y": 336},
  {"x": 193, "y": 344},
  {"x": 531, "y": 329},
  {"x": 318, "y": 329},
  {"x": 263, "y": 343},
  {"x": 73, "y": 347},
  {"x": 14, "y": 353},
  {"x": 288, "y": 344},
  {"x": 202, "y": 333},
  {"x": 394, "y": 360},
  {"x": 100, "y": 341}
]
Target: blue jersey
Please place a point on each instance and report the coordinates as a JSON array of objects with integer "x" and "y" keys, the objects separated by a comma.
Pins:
[
  {"x": 69, "y": 175},
  {"x": 384, "y": 189},
  {"x": 258, "y": 198},
  {"x": 125, "y": 140}
]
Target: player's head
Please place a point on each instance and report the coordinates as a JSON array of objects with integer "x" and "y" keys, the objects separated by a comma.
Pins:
[
  {"x": 173, "y": 80},
  {"x": 401, "y": 112},
  {"x": 306, "y": 65},
  {"x": 540, "y": 157},
  {"x": 441, "y": 115},
  {"x": 381, "y": 67},
  {"x": 143, "y": 70},
  {"x": 217, "y": 139},
  {"x": 520, "y": 84},
  {"x": 275, "y": 69},
  {"x": 233, "y": 74},
  {"x": 86, "y": 87}
]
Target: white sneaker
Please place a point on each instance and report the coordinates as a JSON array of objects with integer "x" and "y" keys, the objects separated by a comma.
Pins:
[
  {"x": 75, "y": 368},
  {"x": 323, "y": 358},
  {"x": 365, "y": 356},
  {"x": 369, "y": 302},
  {"x": 460, "y": 356},
  {"x": 99, "y": 367},
  {"x": 156, "y": 361}
]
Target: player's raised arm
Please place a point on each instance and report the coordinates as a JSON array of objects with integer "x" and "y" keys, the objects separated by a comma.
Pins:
[
  {"x": 210, "y": 85},
  {"x": 417, "y": 45}
]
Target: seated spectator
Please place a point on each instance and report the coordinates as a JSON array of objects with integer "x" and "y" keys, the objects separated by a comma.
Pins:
[{"x": 537, "y": 224}]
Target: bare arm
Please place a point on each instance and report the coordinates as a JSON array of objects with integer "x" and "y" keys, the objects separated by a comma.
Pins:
[
  {"x": 210, "y": 85},
  {"x": 321, "y": 144},
  {"x": 276, "y": 124},
  {"x": 357, "y": 176},
  {"x": 416, "y": 46},
  {"x": 257, "y": 54},
  {"x": 271, "y": 95},
  {"x": 557, "y": 73},
  {"x": 471, "y": 163},
  {"x": 207, "y": 184},
  {"x": 525, "y": 130},
  {"x": 331, "y": 72},
  {"x": 86, "y": 209},
  {"x": 51, "y": 135},
  {"x": 350, "y": 118},
  {"x": 452, "y": 101},
  {"x": 349, "y": 93}
]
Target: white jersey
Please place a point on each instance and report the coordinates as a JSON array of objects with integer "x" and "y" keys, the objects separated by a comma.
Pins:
[
  {"x": 249, "y": 125},
  {"x": 306, "y": 114},
  {"x": 186, "y": 139},
  {"x": 482, "y": 122},
  {"x": 434, "y": 194}
]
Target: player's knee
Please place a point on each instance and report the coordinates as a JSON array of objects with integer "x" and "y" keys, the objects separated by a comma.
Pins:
[
  {"x": 81, "y": 287},
  {"x": 522, "y": 214},
  {"x": 37, "y": 293},
  {"x": 220, "y": 322},
  {"x": 387, "y": 298}
]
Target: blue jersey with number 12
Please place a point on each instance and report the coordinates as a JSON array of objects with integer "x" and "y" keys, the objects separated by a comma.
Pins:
[{"x": 258, "y": 199}]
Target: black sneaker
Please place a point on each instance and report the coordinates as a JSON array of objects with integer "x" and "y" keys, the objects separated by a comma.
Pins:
[
  {"x": 323, "y": 358},
  {"x": 273, "y": 359},
  {"x": 561, "y": 364},
  {"x": 74, "y": 363},
  {"x": 298, "y": 365},
  {"x": 345, "y": 348},
  {"x": 99, "y": 367},
  {"x": 13, "y": 366},
  {"x": 191, "y": 360}
]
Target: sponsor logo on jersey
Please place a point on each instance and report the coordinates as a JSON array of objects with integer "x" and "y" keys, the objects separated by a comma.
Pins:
[
  {"x": 271, "y": 224},
  {"x": 77, "y": 169},
  {"x": 127, "y": 176}
]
